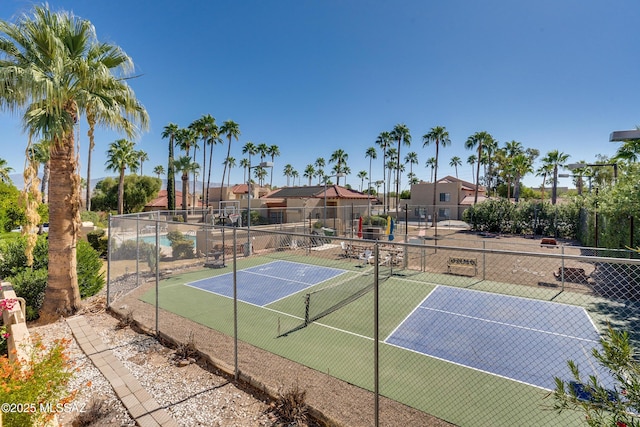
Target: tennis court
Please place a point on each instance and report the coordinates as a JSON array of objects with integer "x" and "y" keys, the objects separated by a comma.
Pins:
[
  {"x": 502, "y": 335},
  {"x": 266, "y": 283}
]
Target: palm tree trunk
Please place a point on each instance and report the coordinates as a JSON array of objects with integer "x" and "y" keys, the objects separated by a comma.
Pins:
[
  {"x": 209, "y": 172},
  {"x": 121, "y": 192},
  {"x": 62, "y": 296},
  {"x": 45, "y": 182},
  {"x": 224, "y": 168},
  {"x": 185, "y": 191}
]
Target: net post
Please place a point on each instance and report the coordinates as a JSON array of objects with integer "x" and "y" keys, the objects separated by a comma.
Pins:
[{"x": 307, "y": 298}]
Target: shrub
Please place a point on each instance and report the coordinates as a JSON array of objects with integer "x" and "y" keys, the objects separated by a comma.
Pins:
[
  {"x": 88, "y": 268},
  {"x": 30, "y": 285},
  {"x": 98, "y": 241},
  {"x": 128, "y": 250},
  {"x": 175, "y": 236},
  {"x": 40, "y": 382},
  {"x": 182, "y": 249}
]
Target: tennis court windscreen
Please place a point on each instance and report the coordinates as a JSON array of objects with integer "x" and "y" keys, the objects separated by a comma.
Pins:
[{"x": 331, "y": 298}]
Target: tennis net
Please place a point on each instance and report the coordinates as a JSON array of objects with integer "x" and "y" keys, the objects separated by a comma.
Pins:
[{"x": 331, "y": 298}]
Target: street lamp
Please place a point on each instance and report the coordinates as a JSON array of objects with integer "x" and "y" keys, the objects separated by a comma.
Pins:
[
  {"x": 338, "y": 175},
  {"x": 574, "y": 166},
  {"x": 624, "y": 135},
  {"x": 261, "y": 165}
]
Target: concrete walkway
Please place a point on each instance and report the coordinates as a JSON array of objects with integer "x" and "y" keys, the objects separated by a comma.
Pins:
[{"x": 141, "y": 406}]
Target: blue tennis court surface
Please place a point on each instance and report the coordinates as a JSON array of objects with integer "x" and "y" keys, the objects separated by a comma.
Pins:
[
  {"x": 526, "y": 340},
  {"x": 267, "y": 283}
]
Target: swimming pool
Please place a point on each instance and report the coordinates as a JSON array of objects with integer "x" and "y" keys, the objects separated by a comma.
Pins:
[{"x": 163, "y": 241}]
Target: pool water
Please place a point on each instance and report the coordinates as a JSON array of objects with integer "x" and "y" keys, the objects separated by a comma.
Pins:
[{"x": 163, "y": 241}]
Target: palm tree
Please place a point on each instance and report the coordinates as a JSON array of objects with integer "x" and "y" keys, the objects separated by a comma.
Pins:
[
  {"x": 100, "y": 108},
  {"x": 362, "y": 175},
  {"x": 339, "y": 157},
  {"x": 185, "y": 165},
  {"x": 438, "y": 135},
  {"x": 629, "y": 150},
  {"x": 44, "y": 64},
  {"x": 251, "y": 149},
  {"x": 206, "y": 129},
  {"x": 383, "y": 141},
  {"x": 158, "y": 170},
  {"x": 522, "y": 165},
  {"x": 320, "y": 164},
  {"x": 260, "y": 173},
  {"x": 402, "y": 136},
  {"x": 120, "y": 156},
  {"x": 244, "y": 164},
  {"x": 431, "y": 163},
  {"x": 309, "y": 172},
  {"x": 263, "y": 150},
  {"x": 455, "y": 162},
  {"x": 273, "y": 151},
  {"x": 143, "y": 157},
  {"x": 471, "y": 160},
  {"x": 489, "y": 147},
  {"x": 478, "y": 139},
  {"x": 231, "y": 130},
  {"x": 170, "y": 131},
  {"x": 412, "y": 159},
  {"x": 5, "y": 170},
  {"x": 295, "y": 175},
  {"x": 544, "y": 172},
  {"x": 372, "y": 155},
  {"x": 288, "y": 171},
  {"x": 230, "y": 162},
  {"x": 555, "y": 159}
]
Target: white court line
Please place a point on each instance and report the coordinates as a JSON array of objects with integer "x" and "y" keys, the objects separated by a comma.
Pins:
[{"x": 508, "y": 324}]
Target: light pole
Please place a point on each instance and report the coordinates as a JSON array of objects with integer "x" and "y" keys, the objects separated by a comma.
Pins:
[
  {"x": 574, "y": 166},
  {"x": 338, "y": 175},
  {"x": 261, "y": 165}
]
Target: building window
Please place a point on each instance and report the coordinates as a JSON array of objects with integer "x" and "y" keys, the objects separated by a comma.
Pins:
[
  {"x": 444, "y": 213},
  {"x": 445, "y": 197}
]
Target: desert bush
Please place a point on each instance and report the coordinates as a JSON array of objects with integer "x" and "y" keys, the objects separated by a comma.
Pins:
[
  {"x": 30, "y": 285},
  {"x": 14, "y": 260},
  {"x": 40, "y": 382},
  {"x": 98, "y": 241},
  {"x": 89, "y": 266},
  {"x": 182, "y": 249},
  {"x": 129, "y": 248},
  {"x": 290, "y": 407}
]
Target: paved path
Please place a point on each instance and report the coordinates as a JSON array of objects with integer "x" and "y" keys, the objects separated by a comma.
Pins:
[{"x": 141, "y": 406}]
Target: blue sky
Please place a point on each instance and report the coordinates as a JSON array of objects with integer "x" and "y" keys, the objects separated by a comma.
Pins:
[{"x": 316, "y": 76}]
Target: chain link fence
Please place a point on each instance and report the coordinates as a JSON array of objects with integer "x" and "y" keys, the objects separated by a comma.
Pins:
[{"x": 462, "y": 328}]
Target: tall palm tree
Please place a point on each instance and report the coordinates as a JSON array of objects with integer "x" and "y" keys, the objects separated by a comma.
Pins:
[
  {"x": 251, "y": 149},
  {"x": 206, "y": 129},
  {"x": 339, "y": 157},
  {"x": 555, "y": 159},
  {"x": 260, "y": 173},
  {"x": 439, "y": 136},
  {"x": 629, "y": 150},
  {"x": 229, "y": 162},
  {"x": 522, "y": 165},
  {"x": 263, "y": 150},
  {"x": 120, "y": 156},
  {"x": 170, "y": 131},
  {"x": 320, "y": 164},
  {"x": 5, "y": 170},
  {"x": 544, "y": 171},
  {"x": 384, "y": 141},
  {"x": 471, "y": 160},
  {"x": 100, "y": 108},
  {"x": 244, "y": 164},
  {"x": 431, "y": 163},
  {"x": 489, "y": 147},
  {"x": 402, "y": 136},
  {"x": 142, "y": 157},
  {"x": 231, "y": 130},
  {"x": 158, "y": 170},
  {"x": 478, "y": 140},
  {"x": 372, "y": 154},
  {"x": 287, "y": 171},
  {"x": 309, "y": 173},
  {"x": 412, "y": 159},
  {"x": 185, "y": 165},
  {"x": 455, "y": 162},
  {"x": 273, "y": 151},
  {"x": 44, "y": 60},
  {"x": 295, "y": 174},
  {"x": 362, "y": 175}
]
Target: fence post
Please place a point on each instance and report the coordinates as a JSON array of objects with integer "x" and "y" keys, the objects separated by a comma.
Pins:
[
  {"x": 157, "y": 278},
  {"x": 562, "y": 267},
  {"x": 236, "y": 372},
  {"x": 376, "y": 333},
  {"x": 138, "y": 250},
  {"x": 484, "y": 259},
  {"x": 109, "y": 249}
]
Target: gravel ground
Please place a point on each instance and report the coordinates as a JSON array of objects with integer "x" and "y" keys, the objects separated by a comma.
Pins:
[{"x": 194, "y": 396}]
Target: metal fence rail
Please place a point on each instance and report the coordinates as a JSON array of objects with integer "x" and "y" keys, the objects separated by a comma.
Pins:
[{"x": 469, "y": 329}]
